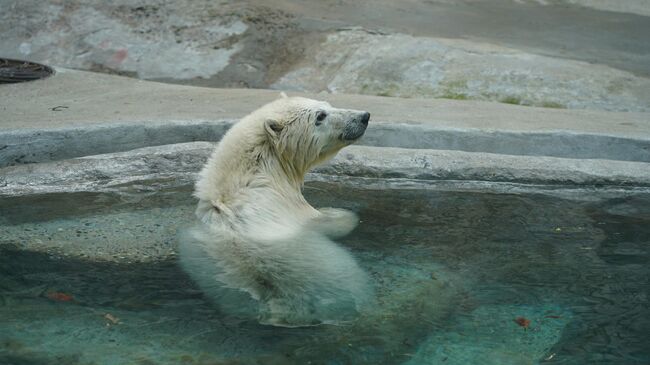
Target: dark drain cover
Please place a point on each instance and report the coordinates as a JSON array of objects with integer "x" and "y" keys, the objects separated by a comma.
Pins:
[{"x": 12, "y": 71}]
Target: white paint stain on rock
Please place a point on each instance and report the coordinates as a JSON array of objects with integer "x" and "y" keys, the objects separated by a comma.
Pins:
[{"x": 25, "y": 48}]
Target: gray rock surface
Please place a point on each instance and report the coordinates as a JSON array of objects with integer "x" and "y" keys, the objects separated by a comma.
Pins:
[
  {"x": 226, "y": 44},
  {"x": 144, "y": 41},
  {"x": 362, "y": 62},
  {"x": 552, "y": 53}
]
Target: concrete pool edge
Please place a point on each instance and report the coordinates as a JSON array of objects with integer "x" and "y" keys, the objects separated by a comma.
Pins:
[
  {"x": 77, "y": 113},
  {"x": 22, "y": 146},
  {"x": 178, "y": 164}
]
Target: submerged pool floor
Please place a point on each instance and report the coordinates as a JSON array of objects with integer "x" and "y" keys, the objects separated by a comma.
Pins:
[{"x": 461, "y": 278}]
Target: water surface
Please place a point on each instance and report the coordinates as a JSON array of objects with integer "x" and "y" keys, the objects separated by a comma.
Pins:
[{"x": 92, "y": 279}]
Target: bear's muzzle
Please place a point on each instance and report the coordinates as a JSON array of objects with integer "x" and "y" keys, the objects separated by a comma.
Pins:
[{"x": 356, "y": 127}]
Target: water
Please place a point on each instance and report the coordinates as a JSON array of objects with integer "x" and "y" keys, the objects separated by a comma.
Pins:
[{"x": 454, "y": 270}]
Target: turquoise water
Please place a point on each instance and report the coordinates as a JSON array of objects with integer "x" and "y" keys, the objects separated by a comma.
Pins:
[{"x": 454, "y": 272}]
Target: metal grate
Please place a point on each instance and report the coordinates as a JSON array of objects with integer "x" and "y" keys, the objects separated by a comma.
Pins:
[{"x": 12, "y": 71}]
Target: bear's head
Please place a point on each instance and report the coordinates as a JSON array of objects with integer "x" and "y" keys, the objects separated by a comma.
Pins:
[{"x": 305, "y": 132}]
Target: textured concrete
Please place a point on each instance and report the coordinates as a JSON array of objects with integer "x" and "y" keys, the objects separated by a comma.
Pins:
[
  {"x": 176, "y": 165},
  {"x": 177, "y": 162},
  {"x": 86, "y": 98},
  {"x": 457, "y": 165}
]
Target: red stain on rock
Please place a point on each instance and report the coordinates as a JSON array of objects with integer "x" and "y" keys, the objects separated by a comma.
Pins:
[{"x": 119, "y": 56}]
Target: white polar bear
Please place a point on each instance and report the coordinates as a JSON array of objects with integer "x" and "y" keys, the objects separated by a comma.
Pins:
[{"x": 258, "y": 233}]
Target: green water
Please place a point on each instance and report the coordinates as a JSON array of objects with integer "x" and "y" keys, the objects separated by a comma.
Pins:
[{"x": 453, "y": 271}]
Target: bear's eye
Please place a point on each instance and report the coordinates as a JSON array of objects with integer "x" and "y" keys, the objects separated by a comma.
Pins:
[{"x": 320, "y": 116}]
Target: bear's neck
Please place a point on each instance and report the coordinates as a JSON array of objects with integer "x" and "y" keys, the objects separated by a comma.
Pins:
[{"x": 284, "y": 175}]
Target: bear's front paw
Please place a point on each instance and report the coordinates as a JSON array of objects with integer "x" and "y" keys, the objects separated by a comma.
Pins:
[{"x": 334, "y": 222}]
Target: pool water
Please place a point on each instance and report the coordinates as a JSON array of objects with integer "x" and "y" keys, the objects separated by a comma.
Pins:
[{"x": 461, "y": 277}]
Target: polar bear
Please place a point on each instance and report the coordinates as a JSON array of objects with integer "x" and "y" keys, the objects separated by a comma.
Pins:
[{"x": 261, "y": 249}]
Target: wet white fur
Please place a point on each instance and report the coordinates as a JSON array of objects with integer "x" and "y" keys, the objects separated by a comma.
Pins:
[{"x": 259, "y": 235}]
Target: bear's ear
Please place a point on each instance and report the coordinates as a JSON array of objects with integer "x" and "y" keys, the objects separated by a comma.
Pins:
[
  {"x": 283, "y": 95},
  {"x": 273, "y": 128}
]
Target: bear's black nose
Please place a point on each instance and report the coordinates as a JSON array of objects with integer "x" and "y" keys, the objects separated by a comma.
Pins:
[{"x": 365, "y": 117}]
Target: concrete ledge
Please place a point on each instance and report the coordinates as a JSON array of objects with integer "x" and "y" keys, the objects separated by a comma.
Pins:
[
  {"x": 43, "y": 145},
  {"x": 32, "y": 146},
  {"x": 103, "y": 114},
  {"x": 458, "y": 165},
  {"x": 177, "y": 165},
  {"x": 106, "y": 172},
  {"x": 552, "y": 143}
]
